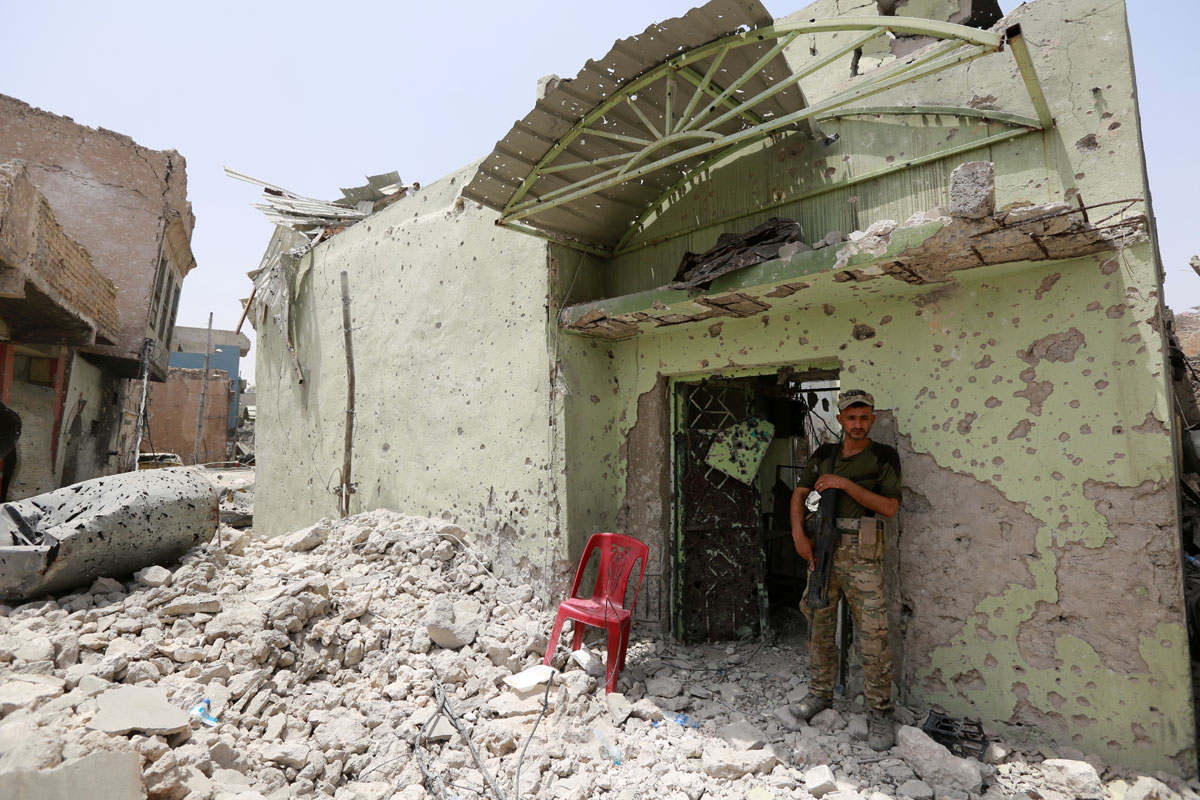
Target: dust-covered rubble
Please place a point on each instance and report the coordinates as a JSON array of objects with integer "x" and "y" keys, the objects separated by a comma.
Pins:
[{"x": 314, "y": 665}]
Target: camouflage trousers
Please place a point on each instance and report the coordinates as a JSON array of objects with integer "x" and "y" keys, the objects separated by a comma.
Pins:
[{"x": 860, "y": 581}]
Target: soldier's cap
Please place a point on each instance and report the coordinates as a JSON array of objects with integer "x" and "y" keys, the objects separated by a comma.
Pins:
[{"x": 855, "y": 397}]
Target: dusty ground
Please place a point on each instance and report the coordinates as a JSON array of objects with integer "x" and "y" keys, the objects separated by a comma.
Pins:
[{"x": 324, "y": 654}]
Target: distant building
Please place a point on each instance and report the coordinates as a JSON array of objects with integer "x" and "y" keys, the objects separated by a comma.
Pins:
[
  {"x": 95, "y": 241},
  {"x": 228, "y": 349},
  {"x": 174, "y": 410}
]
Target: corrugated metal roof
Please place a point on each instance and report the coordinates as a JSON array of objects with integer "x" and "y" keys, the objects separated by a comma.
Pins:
[{"x": 601, "y": 218}]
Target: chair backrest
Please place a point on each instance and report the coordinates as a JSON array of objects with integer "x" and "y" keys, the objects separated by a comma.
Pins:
[{"x": 618, "y": 554}]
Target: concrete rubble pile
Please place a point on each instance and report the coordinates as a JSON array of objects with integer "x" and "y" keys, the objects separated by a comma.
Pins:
[{"x": 310, "y": 665}]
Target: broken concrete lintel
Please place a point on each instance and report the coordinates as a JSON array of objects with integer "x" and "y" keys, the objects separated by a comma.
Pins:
[
  {"x": 107, "y": 527},
  {"x": 928, "y": 251}
]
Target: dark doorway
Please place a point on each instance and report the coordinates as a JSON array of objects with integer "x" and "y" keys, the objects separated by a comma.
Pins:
[{"x": 737, "y": 573}]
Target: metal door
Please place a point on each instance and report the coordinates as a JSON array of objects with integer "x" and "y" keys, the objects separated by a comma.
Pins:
[{"x": 719, "y": 588}]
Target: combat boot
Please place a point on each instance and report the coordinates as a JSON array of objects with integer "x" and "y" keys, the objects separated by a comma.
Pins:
[
  {"x": 812, "y": 705},
  {"x": 881, "y": 733}
]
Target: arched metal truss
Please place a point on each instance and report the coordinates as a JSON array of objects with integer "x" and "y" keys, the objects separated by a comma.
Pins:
[{"x": 644, "y": 141}]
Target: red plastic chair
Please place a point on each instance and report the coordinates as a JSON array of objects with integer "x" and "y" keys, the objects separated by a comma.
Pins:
[{"x": 618, "y": 554}]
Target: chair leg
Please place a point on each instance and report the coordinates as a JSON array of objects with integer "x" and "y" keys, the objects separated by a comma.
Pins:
[
  {"x": 616, "y": 648},
  {"x": 552, "y": 643},
  {"x": 624, "y": 645},
  {"x": 577, "y": 636}
]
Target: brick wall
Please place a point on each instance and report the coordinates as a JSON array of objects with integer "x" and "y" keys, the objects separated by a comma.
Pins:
[
  {"x": 32, "y": 241},
  {"x": 172, "y": 409}
]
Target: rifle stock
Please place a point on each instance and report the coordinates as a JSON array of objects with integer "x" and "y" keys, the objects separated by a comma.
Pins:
[{"x": 824, "y": 541}]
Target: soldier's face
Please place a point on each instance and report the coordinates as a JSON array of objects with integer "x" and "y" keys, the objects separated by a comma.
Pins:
[{"x": 856, "y": 421}]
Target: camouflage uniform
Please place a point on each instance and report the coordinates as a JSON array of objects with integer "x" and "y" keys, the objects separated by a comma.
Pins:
[
  {"x": 858, "y": 578},
  {"x": 861, "y": 581}
]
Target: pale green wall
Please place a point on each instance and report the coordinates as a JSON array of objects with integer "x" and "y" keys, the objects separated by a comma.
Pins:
[
  {"x": 1039, "y": 563},
  {"x": 451, "y": 366},
  {"x": 1039, "y": 560}
]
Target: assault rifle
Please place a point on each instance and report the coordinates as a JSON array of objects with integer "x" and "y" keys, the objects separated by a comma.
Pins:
[{"x": 821, "y": 528}]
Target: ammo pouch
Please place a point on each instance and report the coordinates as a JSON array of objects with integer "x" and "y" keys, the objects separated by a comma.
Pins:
[{"x": 872, "y": 537}]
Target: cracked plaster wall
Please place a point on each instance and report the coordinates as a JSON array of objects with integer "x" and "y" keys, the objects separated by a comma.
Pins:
[
  {"x": 1031, "y": 408},
  {"x": 109, "y": 194},
  {"x": 451, "y": 369},
  {"x": 90, "y": 423}
]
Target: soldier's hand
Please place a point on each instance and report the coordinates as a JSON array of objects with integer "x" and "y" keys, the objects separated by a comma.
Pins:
[{"x": 804, "y": 548}]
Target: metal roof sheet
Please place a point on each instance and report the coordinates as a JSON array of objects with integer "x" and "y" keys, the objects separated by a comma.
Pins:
[{"x": 601, "y": 218}]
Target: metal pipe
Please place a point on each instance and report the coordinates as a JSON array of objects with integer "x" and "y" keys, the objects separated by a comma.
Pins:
[{"x": 344, "y": 500}]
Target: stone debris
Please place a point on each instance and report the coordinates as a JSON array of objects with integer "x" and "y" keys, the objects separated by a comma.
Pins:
[
  {"x": 320, "y": 655},
  {"x": 144, "y": 709},
  {"x": 973, "y": 190},
  {"x": 936, "y": 765}
]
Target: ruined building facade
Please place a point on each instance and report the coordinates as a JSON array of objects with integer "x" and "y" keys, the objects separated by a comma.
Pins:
[
  {"x": 971, "y": 241},
  {"x": 95, "y": 232}
]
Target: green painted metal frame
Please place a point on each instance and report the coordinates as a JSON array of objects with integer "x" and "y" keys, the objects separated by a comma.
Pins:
[
  {"x": 827, "y": 188},
  {"x": 639, "y": 161}
]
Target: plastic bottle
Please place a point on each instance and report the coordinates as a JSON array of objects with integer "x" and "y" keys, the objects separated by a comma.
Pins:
[
  {"x": 201, "y": 712},
  {"x": 608, "y": 750}
]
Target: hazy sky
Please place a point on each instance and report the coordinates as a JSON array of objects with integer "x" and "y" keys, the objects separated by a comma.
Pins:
[{"x": 315, "y": 96}]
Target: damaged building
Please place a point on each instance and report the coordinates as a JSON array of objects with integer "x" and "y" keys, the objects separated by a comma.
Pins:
[
  {"x": 730, "y": 217},
  {"x": 95, "y": 235},
  {"x": 194, "y": 414}
]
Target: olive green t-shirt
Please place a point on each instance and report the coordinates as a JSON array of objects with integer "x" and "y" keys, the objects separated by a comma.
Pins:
[{"x": 876, "y": 469}]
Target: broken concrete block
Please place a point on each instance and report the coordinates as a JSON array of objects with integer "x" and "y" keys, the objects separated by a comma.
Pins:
[
  {"x": 828, "y": 720},
  {"x": 915, "y": 790},
  {"x": 1147, "y": 788},
  {"x": 819, "y": 781},
  {"x": 305, "y": 539},
  {"x": 153, "y": 576},
  {"x": 1076, "y": 779},
  {"x": 276, "y": 728},
  {"x": 25, "y": 747},
  {"x": 107, "y": 774},
  {"x": 935, "y": 764},
  {"x": 191, "y": 604},
  {"x": 788, "y": 719},
  {"x": 996, "y": 753},
  {"x": 742, "y": 735},
  {"x": 719, "y": 761},
  {"x": 235, "y": 623},
  {"x": 108, "y": 526},
  {"x": 23, "y": 691},
  {"x": 289, "y": 754},
  {"x": 973, "y": 190},
  {"x": 619, "y": 708},
  {"x": 589, "y": 662},
  {"x": 515, "y": 704},
  {"x": 144, "y": 709},
  {"x": 106, "y": 586},
  {"x": 364, "y": 790},
  {"x": 808, "y": 751},
  {"x": 35, "y": 648},
  {"x": 648, "y": 710},
  {"x": 452, "y": 625},
  {"x": 664, "y": 687},
  {"x": 441, "y": 731},
  {"x": 345, "y": 732}
]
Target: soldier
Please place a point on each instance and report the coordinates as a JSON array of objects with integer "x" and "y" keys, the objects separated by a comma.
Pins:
[{"x": 867, "y": 474}]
